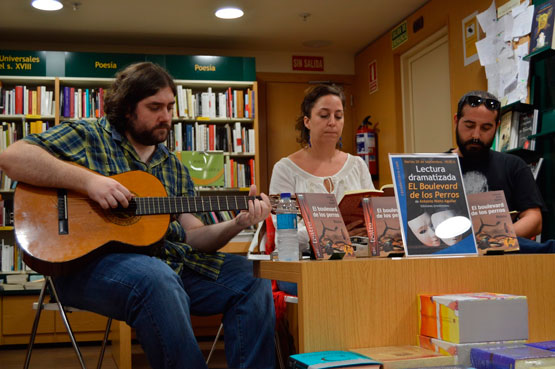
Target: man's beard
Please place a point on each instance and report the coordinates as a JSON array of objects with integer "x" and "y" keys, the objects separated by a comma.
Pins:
[
  {"x": 473, "y": 153},
  {"x": 148, "y": 137}
]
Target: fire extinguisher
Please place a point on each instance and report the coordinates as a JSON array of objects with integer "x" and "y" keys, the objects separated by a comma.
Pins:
[{"x": 367, "y": 145}]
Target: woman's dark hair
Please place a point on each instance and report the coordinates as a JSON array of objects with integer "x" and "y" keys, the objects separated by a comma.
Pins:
[
  {"x": 134, "y": 83},
  {"x": 312, "y": 94}
]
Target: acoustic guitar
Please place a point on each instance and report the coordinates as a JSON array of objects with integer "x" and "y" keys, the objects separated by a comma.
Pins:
[{"x": 58, "y": 230}]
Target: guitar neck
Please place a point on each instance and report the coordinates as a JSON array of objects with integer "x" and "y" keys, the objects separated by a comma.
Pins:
[{"x": 197, "y": 204}]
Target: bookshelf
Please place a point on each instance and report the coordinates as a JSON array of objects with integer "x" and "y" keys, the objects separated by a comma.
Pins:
[{"x": 542, "y": 97}]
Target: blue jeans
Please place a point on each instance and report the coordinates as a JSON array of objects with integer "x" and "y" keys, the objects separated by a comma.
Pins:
[
  {"x": 528, "y": 246},
  {"x": 147, "y": 294}
]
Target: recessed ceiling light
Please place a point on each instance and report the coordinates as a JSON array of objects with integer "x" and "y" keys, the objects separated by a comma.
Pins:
[
  {"x": 229, "y": 13},
  {"x": 48, "y": 5}
]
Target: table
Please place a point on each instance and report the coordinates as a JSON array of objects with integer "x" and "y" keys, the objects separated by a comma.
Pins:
[{"x": 370, "y": 302}]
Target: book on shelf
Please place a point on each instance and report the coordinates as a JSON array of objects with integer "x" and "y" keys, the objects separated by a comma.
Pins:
[
  {"x": 381, "y": 218},
  {"x": 434, "y": 215},
  {"x": 505, "y": 129},
  {"x": 492, "y": 223},
  {"x": 394, "y": 357},
  {"x": 332, "y": 359},
  {"x": 327, "y": 233},
  {"x": 542, "y": 26},
  {"x": 209, "y": 104},
  {"x": 16, "y": 278},
  {"x": 528, "y": 125},
  {"x": 517, "y": 356}
]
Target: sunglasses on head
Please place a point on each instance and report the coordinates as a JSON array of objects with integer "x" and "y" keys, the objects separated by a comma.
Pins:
[{"x": 491, "y": 104}]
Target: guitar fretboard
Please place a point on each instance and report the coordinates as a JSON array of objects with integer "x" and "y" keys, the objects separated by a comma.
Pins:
[{"x": 198, "y": 204}]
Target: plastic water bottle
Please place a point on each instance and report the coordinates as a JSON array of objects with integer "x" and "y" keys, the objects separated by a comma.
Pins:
[{"x": 286, "y": 230}]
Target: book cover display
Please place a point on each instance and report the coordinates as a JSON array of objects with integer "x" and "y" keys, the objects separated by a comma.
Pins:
[
  {"x": 473, "y": 317},
  {"x": 381, "y": 218},
  {"x": 492, "y": 222},
  {"x": 331, "y": 359},
  {"x": 542, "y": 26},
  {"x": 434, "y": 214},
  {"x": 327, "y": 233},
  {"x": 511, "y": 357},
  {"x": 205, "y": 169}
]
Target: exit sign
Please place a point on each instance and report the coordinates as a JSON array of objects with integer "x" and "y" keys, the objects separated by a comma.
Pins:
[{"x": 308, "y": 63}]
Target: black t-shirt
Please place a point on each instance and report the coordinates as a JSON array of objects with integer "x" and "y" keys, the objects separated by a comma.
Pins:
[{"x": 505, "y": 172}]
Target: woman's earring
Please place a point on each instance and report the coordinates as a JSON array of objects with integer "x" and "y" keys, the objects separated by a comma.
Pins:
[
  {"x": 309, "y": 144},
  {"x": 340, "y": 142}
]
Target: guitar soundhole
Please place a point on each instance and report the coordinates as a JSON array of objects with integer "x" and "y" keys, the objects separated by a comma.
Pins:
[{"x": 123, "y": 216}]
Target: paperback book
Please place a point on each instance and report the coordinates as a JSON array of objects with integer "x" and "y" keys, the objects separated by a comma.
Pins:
[
  {"x": 434, "y": 215},
  {"x": 327, "y": 233},
  {"x": 511, "y": 357},
  {"x": 394, "y": 357},
  {"x": 331, "y": 359},
  {"x": 492, "y": 223},
  {"x": 381, "y": 218},
  {"x": 351, "y": 203}
]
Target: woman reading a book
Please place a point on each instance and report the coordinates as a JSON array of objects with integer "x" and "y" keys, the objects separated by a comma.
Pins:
[{"x": 320, "y": 165}]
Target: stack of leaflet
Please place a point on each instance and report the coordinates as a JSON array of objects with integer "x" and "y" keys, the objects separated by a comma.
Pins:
[{"x": 454, "y": 324}]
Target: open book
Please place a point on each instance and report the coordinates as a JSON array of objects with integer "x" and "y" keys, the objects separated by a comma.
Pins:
[{"x": 351, "y": 203}]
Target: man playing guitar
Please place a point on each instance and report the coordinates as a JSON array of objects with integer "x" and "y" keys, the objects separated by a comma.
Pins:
[{"x": 153, "y": 294}]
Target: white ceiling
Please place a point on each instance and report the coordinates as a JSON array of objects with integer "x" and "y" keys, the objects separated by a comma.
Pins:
[{"x": 275, "y": 25}]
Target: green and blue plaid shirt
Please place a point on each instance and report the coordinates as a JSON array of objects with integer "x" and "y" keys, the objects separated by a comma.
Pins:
[{"x": 99, "y": 147}]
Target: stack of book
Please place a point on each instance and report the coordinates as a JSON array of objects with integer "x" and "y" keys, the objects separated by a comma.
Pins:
[
  {"x": 455, "y": 324},
  {"x": 515, "y": 356},
  {"x": 396, "y": 357}
]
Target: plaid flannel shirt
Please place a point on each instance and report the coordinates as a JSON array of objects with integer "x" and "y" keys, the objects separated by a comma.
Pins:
[{"x": 99, "y": 147}]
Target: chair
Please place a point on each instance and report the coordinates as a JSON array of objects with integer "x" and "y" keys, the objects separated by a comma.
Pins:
[{"x": 55, "y": 304}]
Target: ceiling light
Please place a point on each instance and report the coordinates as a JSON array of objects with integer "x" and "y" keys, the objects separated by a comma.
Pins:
[
  {"x": 48, "y": 5},
  {"x": 229, "y": 13}
]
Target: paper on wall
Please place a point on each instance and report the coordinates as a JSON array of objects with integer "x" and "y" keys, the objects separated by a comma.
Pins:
[
  {"x": 488, "y": 19},
  {"x": 520, "y": 8},
  {"x": 523, "y": 22},
  {"x": 487, "y": 50}
]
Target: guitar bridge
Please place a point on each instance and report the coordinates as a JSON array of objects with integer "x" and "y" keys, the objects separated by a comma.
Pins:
[{"x": 63, "y": 227}]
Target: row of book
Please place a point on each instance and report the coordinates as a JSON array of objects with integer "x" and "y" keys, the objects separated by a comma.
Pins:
[
  {"x": 514, "y": 130},
  {"x": 21, "y": 281},
  {"x": 214, "y": 169},
  {"x": 11, "y": 132},
  {"x": 25, "y": 100},
  {"x": 6, "y": 212},
  {"x": 228, "y": 104},
  {"x": 82, "y": 103},
  {"x": 238, "y": 174},
  {"x": 212, "y": 137},
  {"x": 11, "y": 260}
]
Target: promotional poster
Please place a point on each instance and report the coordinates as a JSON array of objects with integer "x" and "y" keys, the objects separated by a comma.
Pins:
[{"x": 433, "y": 210}]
